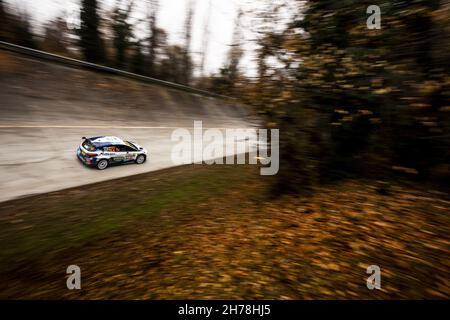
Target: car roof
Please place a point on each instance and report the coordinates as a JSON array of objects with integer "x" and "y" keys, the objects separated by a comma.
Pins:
[{"x": 106, "y": 140}]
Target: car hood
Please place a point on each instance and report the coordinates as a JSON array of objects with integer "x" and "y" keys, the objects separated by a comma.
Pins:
[{"x": 139, "y": 146}]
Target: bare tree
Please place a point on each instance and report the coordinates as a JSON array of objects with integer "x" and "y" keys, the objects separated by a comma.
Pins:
[
  {"x": 235, "y": 53},
  {"x": 187, "y": 62},
  {"x": 123, "y": 31},
  {"x": 205, "y": 40},
  {"x": 153, "y": 43},
  {"x": 55, "y": 36},
  {"x": 90, "y": 40}
]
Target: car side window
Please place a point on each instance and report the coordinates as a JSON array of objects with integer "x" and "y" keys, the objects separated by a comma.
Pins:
[
  {"x": 111, "y": 149},
  {"x": 124, "y": 148}
]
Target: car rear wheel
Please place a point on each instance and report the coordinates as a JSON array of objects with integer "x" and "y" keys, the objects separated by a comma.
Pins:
[
  {"x": 102, "y": 164},
  {"x": 140, "y": 159}
]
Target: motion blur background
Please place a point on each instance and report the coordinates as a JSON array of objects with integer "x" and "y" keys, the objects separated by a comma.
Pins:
[
  {"x": 364, "y": 119},
  {"x": 297, "y": 63}
]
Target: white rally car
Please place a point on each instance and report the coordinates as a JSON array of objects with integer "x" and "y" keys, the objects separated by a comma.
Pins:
[{"x": 100, "y": 152}]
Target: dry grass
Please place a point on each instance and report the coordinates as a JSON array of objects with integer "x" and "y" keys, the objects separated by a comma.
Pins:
[{"x": 208, "y": 232}]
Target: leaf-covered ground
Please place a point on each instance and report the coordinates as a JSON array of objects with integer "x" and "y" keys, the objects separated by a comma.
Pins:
[{"x": 210, "y": 232}]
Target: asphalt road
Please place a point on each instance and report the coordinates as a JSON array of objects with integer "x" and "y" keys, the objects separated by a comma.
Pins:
[{"x": 40, "y": 159}]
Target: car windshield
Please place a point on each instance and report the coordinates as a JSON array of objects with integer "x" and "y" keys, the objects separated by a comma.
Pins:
[
  {"x": 88, "y": 145},
  {"x": 128, "y": 143}
]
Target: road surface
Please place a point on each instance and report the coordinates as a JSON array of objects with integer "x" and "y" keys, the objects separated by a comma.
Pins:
[{"x": 43, "y": 159}]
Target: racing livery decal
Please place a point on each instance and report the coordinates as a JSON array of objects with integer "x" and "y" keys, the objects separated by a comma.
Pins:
[{"x": 102, "y": 151}]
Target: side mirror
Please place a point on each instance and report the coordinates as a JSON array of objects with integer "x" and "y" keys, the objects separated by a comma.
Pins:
[
  {"x": 140, "y": 148},
  {"x": 83, "y": 138}
]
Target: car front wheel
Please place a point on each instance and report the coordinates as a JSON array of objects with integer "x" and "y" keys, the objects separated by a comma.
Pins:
[
  {"x": 102, "y": 164},
  {"x": 140, "y": 159}
]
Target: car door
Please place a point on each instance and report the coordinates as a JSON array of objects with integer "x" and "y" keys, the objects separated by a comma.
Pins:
[
  {"x": 109, "y": 152},
  {"x": 114, "y": 153},
  {"x": 130, "y": 153},
  {"x": 119, "y": 154}
]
